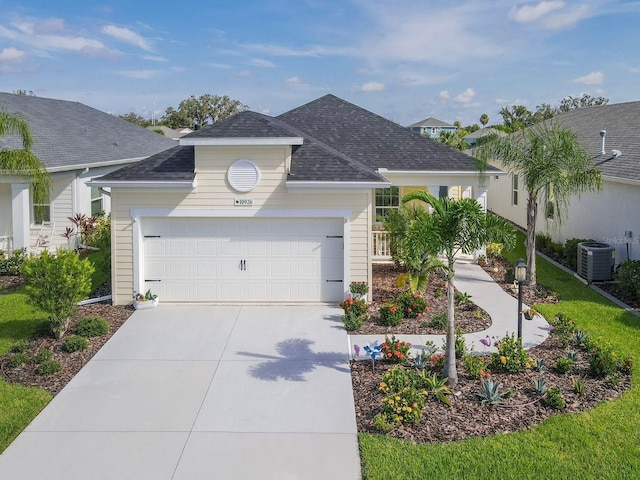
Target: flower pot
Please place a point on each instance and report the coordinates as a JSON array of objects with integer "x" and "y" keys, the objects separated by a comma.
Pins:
[
  {"x": 145, "y": 304},
  {"x": 528, "y": 316}
]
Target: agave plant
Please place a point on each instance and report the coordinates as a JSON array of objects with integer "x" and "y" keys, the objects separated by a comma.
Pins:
[
  {"x": 490, "y": 392},
  {"x": 437, "y": 387}
]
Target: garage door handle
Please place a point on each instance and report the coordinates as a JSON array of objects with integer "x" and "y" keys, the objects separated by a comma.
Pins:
[
  {"x": 333, "y": 281},
  {"x": 243, "y": 265},
  {"x": 155, "y": 280}
]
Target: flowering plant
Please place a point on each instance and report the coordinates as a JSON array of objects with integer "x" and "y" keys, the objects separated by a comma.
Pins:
[
  {"x": 354, "y": 307},
  {"x": 139, "y": 297},
  {"x": 359, "y": 288},
  {"x": 394, "y": 350},
  {"x": 413, "y": 305},
  {"x": 391, "y": 314}
]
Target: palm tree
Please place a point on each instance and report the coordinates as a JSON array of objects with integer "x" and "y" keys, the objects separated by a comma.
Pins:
[
  {"x": 452, "y": 227},
  {"x": 22, "y": 162},
  {"x": 484, "y": 119},
  {"x": 551, "y": 164}
]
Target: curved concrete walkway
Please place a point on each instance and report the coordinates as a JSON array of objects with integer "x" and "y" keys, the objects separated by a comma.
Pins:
[{"x": 488, "y": 295}]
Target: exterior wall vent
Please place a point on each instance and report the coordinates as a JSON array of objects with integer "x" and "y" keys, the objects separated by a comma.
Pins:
[
  {"x": 596, "y": 261},
  {"x": 243, "y": 175}
]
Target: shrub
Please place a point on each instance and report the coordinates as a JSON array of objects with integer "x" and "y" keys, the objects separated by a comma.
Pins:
[
  {"x": 91, "y": 327},
  {"x": 462, "y": 299},
  {"x": 354, "y": 306},
  {"x": 74, "y": 343},
  {"x": 564, "y": 365},
  {"x": 43, "y": 355},
  {"x": 494, "y": 250},
  {"x": 437, "y": 362},
  {"x": 554, "y": 399},
  {"x": 18, "y": 359},
  {"x": 473, "y": 365},
  {"x": 20, "y": 347},
  {"x": 603, "y": 360},
  {"x": 511, "y": 357},
  {"x": 439, "y": 320},
  {"x": 570, "y": 252},
  {"x": 391, "y": 314},
  {"x": 394, "y": 350},
  {"x": 56, "y": 283},
  {"x": 546, "y": 245},
  {"x": 628, "y": 275},
  {"x": 564, "y": 328},
  {"x": 352, "y": 322},
  {"x": 13, "y": 263},
  {"x": 48, "y": 367},
  {"x": 413, "y": 305},
  {"x": 403, "y": 402},
  {"x": 396, "y": 379}
]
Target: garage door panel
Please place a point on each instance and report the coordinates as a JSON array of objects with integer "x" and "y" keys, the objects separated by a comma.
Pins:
[{"x": 284, "y": 259}]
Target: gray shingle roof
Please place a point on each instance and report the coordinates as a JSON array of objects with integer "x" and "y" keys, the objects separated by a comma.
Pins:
[
  {"x": 342, "y": 143},
  {"x": 621, "y": 121},
  {"x": 70, "y": 133},
  {"x": 431, "y": 122},
  {"x": 175, "y": 164},
  {"x": 373, "y": 140}
]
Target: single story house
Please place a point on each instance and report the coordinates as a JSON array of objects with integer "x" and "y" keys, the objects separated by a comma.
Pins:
[
  {"x": 612, "y": 216},
  {"x": 267, "y": 209},
  {"x": 473, "y": 137},
  {"x": 432, "y": 127},
  {"x": 76, "y": 143}
]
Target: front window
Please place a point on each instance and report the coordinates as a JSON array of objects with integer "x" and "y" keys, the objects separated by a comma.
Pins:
[
  {"x": 42, "y": 212},
  {"x": 514, "y": 188},
  {"x": 386, "y": 199},
  {"x": 96, "y": 201},
  {"x": 443, "y": 191}
]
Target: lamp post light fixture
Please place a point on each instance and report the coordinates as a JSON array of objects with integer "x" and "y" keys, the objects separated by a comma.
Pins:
[{"x": 520, "y": 276}]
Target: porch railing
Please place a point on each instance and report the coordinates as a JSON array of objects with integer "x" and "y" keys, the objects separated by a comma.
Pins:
[
  {"x": 6, "y": 244},
  {"x": 381, "y": 246}
]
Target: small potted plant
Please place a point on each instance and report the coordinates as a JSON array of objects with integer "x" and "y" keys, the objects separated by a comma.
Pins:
[
  {"x": 359, "y": 290},
  {"x": 529, "y": 313},
  {"x": 144, "y": 301}
]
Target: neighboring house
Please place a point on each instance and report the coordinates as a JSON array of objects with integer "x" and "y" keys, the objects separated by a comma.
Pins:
[
  {"x": 473, "y": 137},
  {"x": 432, "y": 127},
  {"x": 76, "y": 143},
  {"x": 173, "y": 134},
  {"x": 271, "y": 209},
  {"x": 612, "y": 216}
]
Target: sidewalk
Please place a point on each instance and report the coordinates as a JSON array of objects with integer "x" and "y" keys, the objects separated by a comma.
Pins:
[{"x": 488, "y": 295}]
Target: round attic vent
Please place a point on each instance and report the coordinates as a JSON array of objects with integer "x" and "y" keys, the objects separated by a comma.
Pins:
[{"x": 243, "y": 175}]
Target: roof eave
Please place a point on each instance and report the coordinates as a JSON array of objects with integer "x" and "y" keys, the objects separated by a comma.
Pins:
[
  {"x": 311, "y": 184},
  {"x": 183, "y": 184},
  {"x": 82, "y": 166}
]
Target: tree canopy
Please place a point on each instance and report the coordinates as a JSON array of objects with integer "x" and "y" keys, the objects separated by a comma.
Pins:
[{"x": 201, "y": 111}]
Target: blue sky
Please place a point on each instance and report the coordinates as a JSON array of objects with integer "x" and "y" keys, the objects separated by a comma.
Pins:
[{"x": 405, "y": 60}]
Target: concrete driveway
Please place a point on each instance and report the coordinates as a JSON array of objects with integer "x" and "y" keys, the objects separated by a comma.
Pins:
[{"x": 201, "y": 392}]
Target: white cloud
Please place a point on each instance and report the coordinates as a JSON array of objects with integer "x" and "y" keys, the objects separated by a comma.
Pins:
[
  {"x": 153, "y": 58},
  {"x": 260, "y": 62},
  {"x": 139, "y": 74},
  {"x": 466, "y": 97},
  {"x": 372, "y": 87},
  {"x": 11, "y": 54},
  {"x": 293, "y": 81},
  {"x": 127, "y": 35},
  {"x": 444, "y": 95},
  {"x": 594, "y": 78},
  {"x": 285, "y": 51},
  {"x": 243, "y": 74},
  {"x": 531, "y": 13}
]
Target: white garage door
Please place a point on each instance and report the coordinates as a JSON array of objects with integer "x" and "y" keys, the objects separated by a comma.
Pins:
[{"x": 244, "y": 259}]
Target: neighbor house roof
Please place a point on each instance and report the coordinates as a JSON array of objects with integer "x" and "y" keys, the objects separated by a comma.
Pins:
[
  {"x": 431, "y": 122},
  {"x": 483, "y": 132},
  {"x": 69, "y": 134},
  {"x": 621, "y": 124},
  {"x": 335, "y": 141}
]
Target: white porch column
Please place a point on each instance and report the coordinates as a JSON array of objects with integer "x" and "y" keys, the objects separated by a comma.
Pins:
[{"x": 20, "y": 215}]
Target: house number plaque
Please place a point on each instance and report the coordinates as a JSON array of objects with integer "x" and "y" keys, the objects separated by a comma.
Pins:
[{"x": 243, "y": 202}]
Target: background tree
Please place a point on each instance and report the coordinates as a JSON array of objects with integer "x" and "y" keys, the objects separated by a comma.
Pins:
[
  {"x": 453, "y": 139},
  {"x": 516, "y": 117},
  {"x": 202, "y": 110},
  {"x": 570, "y": 103},
  {"x": 20, "y": 161},
  {"x": 455, "y": 226},
  {"x": 136, "y": 119},
  {"x": 484, "y": 119},
  {"x": 551, "y": 165}
]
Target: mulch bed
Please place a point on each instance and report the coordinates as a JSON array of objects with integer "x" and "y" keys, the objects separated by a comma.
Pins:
[
  {"x": 469, "y": 318},
  {"x": 468, "y": 418},
  {"x": 71, "y": 363}
]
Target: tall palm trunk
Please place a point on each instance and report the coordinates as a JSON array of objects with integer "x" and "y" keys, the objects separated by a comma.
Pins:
[
  {"x": 532, "y": 212},
  {"x": 450, "y": 370}
]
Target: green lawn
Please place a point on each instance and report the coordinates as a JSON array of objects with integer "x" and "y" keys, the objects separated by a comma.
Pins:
[
  {"x": 603, "y": 443},
  {"x": 18, "y": 404}
]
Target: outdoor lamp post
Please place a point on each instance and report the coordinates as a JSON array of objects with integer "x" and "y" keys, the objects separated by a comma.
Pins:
[{"x": 521, "y": 276}]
